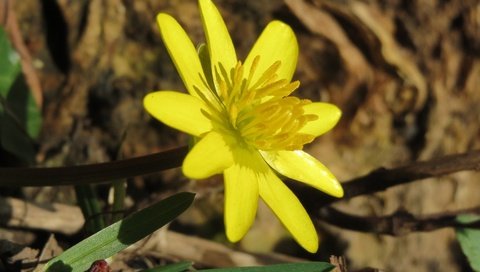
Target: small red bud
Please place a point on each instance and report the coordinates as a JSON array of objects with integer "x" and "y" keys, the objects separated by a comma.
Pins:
[{"x": 99, "y": 266}]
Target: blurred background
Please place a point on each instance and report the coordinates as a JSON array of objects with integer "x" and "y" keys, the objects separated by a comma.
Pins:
[{"x": 404, "y": 73}]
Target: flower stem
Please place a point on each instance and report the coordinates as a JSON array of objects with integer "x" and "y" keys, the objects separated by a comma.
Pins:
[
  {"x": 119, "y": 192},
  {"x": 92, "y": 173}
]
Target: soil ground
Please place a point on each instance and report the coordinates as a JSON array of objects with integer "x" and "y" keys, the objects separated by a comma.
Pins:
[{"x": 404, "y": 73}]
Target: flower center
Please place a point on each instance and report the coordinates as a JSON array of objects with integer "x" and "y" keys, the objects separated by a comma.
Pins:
[{"x": 261, "y": 112}]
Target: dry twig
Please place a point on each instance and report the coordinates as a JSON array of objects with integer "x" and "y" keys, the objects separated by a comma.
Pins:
[
  {"x": 339, "y": 262},
  {"x": 398, "y": 223}
]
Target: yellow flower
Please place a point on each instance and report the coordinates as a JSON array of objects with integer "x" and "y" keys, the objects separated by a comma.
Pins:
[{"x": 247, "y": 124}]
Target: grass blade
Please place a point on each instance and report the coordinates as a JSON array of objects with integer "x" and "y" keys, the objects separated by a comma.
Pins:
[{"x": 289, "y": 267}]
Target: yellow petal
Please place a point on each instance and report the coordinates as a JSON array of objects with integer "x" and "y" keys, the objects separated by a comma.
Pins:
[
  {"x": 289, "y": 210},
  {"x": 300, "y": 166},
  {"x": 328, "y": 116},
  {"x": 241, "y": 192},
  {"x": 210, "y": 156},
  {"x": 219, "y": 43},
  {"x": 276, "y": 43},
  {"x": 183, "y": 53},
  {"x": 178, "y": 110}
]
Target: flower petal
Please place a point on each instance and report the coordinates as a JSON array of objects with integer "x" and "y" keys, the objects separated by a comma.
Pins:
[
  {"x": 178, "y": 110},
  {"x": 276, "y": 43},
  {"x": 300, "y": 166},
  {"x": 210, "y": 156},
  {"x": 182, "y": 51},
  {"x": 219, "y": 42},
  {"x": 328, "y": 116},
  {"x": 289, "y": 210},
  {"x": 241, "y": 192}
]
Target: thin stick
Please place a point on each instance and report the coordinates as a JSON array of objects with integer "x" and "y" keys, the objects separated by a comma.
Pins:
[
  {"x": 398, "y": 223},
  {"x": 382, "y": 178}
]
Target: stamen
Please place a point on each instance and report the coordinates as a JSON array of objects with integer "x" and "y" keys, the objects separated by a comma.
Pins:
[
  {"x": 253, "y": 68},
  {"x": 261, "y": 113},
  {"x": 268, "y": 75},
  {"x": 224, "y": 76},
  {"x": 271, "y": 88}
]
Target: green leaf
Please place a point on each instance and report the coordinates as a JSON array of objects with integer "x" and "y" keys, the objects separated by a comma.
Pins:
[
  {"x": 120, "y": 235},
  {"x": 469, "y": 240},
  {"x": 22, "y": 104},
  {"x": 289, "y": 267},
  {"x": 9, "y": 63},
  {"x": 20, "y": 117},
  {"x": 177, "y": 267}
]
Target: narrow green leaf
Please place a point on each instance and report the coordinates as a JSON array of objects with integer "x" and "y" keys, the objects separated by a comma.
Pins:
[
  {"x": 20, "y": 117},
  {"x": 469, "y": 240},
  {"x": 177, "y": 267},
  {"x": 289, "y": 267},
  {"x": 13, "y": 138},
  {"x": 120, "y": 235},
  {"x": 9, "y": 63}
]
